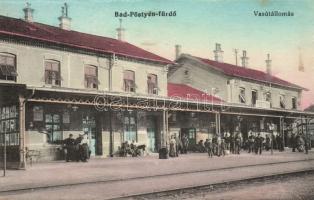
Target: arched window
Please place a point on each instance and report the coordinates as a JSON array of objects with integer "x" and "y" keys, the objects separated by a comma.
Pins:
[
  {"x": 129, "y": 81},
  {"x": 52, "y": 73},
  {"x": 91, "y": 77},
  {"x": 8, "y": 67},
  {"x": 152, "y": 84}
]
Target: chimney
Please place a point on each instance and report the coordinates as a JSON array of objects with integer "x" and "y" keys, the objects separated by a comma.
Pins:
[
  {"x": 65, "y": 20},
  {"x": 244, "y": 59},
  {"x": 28, "y": 13},
  {"x": 268, "y": 64},
  {"x": 178, "y": 51},
  {"x": 218, "y": 53},
  {"x": 120, "y": 31},
  {"x": 301, "y": 65}
]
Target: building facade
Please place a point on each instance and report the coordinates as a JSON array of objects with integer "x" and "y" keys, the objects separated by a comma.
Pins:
[
  {"x": 250, "y": 90},
  {"x": 55, "y": 81},
  {"x": 57, "y": 75}
]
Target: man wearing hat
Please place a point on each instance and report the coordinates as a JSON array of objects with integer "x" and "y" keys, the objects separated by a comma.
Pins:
[{"x": 69, "y": 148}]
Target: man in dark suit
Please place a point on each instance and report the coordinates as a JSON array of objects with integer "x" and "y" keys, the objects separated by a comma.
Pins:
[
  {"x": 259, "y": 144},
  {"x": 70, "y": 148}
]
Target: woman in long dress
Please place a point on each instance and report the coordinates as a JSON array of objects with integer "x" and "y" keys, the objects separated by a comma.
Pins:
[{"x": 172, "y": 152}]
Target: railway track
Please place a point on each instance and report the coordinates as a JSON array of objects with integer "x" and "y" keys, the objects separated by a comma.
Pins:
[
  {"x": 219, "y": 187},
  {"x": 49, "y": 187}
]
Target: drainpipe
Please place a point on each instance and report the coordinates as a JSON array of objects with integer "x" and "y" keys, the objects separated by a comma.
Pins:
[
  {"x": 111, "y": 64},
  {"x": 110, "y": 134},
  {"x": 22, "y": 103}
]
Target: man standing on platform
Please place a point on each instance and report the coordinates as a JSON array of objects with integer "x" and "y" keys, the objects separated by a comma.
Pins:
[
  {"x": 69, "y": 148},
  {"x": 251, "y": 143},
  {"x": 259, "y": 144},
  {"x": 178, "y": 145},
  {"x": 237, "y": 144},
  {"x": 210, "y": 148},
  {"x": 185, "y": 144}
]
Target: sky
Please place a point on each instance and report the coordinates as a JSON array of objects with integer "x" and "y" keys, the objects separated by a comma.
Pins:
[{"x": 197, "y": 26}]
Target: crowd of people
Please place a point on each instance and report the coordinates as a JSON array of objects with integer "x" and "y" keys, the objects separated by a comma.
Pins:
[
  {"x": 234, "y": 143},
  {"x": 76, "y": 149},
  {"x": 132, "y": 149}
]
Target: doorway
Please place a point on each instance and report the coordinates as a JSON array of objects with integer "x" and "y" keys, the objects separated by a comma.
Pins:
[
  {"x": 191, "y": 134},
  {"x": 89, "y": 128},
  {"x": 151, "y": 133}
]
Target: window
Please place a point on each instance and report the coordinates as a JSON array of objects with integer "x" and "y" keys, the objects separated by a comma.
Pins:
[
  {"x": 52, "y": 73},
  {"x": 7, "y": 67},
  {"x": 129, "y": 81},
  {"x": 130, "y": 128},
  {"x": 152, "y": 84},
  {"x": 294, "y": 103},
  {"x": 282, "y": 101},
  {"x": 254, "y": 97},
  {"x": 53, "y": 127},
  {"x": 9, "y": 125},
  {"x": 242, "y": 95},
  {"x": 91, "y": 77},
  {"x": 268, "y": 98}
]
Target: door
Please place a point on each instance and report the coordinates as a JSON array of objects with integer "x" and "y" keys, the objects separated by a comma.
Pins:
[
  {"x": 151, "y": 139},
  {"x": 53, "y": 127},
  {"x": 130, "y": 129},
  {"x": 191, "y": 134},
  {"x": 151, "y": 133},
  {"x": 89, "y": 128}
]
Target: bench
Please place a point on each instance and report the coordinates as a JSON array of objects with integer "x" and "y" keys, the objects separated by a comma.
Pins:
[{"x": 32, "y": 155}]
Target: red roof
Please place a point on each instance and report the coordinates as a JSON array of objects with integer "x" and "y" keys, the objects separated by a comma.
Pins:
[
  {"x": 185, "y": 92},
  {"x": 45, "y": 33},
  {"x": 237, "y": 71}
]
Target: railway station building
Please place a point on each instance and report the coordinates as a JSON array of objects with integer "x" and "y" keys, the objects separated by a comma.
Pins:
[{"x": 55, "y": 81}]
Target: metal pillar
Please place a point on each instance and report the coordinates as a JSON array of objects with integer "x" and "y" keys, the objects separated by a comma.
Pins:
[
  {"x": 165, "y": 136},
  {"x": 219, "y": 124},
  {"x": 306, "y": 137},
  {"x": 110, "y": 134},
  {"x": 4, "y": 150},
  {"x": 282, "y": 122},
  {"x": 271, "y": 139},
  {"x": 216, "y": 123},
  {"x": 22, "y": 132},
  {"x": 219, "y": 133},
  {"x": 167, "y": 129}
]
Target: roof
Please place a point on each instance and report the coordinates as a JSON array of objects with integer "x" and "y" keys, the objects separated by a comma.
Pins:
[
  {"x": 185, "y": 92},
  {"x": 45, "y": 33},
  {"x": 310, "y": 108},
  {"x": 248, "y": 73}
]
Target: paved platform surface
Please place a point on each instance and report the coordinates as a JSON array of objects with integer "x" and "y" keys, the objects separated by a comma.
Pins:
[{"x": 157, "y": 175}]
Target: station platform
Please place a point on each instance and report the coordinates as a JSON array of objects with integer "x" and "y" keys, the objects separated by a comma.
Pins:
[{"x": 150, "y": 173}]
